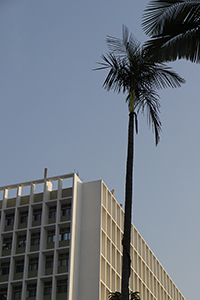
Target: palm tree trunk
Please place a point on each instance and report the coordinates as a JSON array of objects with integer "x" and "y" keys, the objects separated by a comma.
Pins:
[{"x": 128, "y": 209}]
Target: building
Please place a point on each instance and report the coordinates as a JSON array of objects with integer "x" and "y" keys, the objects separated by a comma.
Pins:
[{"x": 61, "y": 239}]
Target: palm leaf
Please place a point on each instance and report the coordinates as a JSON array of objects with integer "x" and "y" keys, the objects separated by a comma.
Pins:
[
  {"x": 117, "y": 296},
  {"x": 174, "y": 27},
  {"x": 114, "y": 296},
  {"x": 135, "y": 296}
]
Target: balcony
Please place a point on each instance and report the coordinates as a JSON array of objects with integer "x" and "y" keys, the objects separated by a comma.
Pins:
[
  {"x": 33, "y": 267},
  {"x": 50, "y": 239},
  {"x": 49, "y": 265},
  {"x": 61, "y": 290},
  {"x": 21, "y": 244},
  {"x": 9, "y": 222},
  {"x": 11, "y": 202},
  {"x": 66, "y": 192},
  {"x": 63, "y": 259},
  {"x": 24, "y": 200},
  {"x": 65, "y": 213},
  {"x": 47, "y": 290},
  {"x": 53, "y": 195},
  {"x": 31, "y": 292},
  {"x": 19, "y": 269},
  {"x": 4, "y": 271},
  {"x": 37, "y": 217},
  {"x": 35, "y": 241},
  {"x": 52, "y": 215},
  {"x": 23, "y": 219},
  {"x": 64, "y": 237},
  {"x": 38, "y": 197},
  {"x": 7, "y": 246}
]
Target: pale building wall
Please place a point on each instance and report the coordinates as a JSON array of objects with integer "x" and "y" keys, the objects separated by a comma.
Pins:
[
  {"x": 147, "y": 274},
  {"x": 90, "y": 241}
]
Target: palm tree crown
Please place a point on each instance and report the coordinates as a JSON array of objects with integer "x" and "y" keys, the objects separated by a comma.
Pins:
[
  {"x": 174, "y": 28},
  {"x": 133, "y": 72}
]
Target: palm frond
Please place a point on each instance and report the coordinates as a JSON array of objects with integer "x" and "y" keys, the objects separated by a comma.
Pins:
[
  {"x": 176, "y": 46},
  {"x": 135, "y": 296},
  {"x": 150, "y": 104},
  {"x": 159, "y": 14},
  {"x": 161, "y": 76},
  {"x": 114, "y": 296},
  {"x": 117, "y": 296},
  {"x": 174, "y": 27}
]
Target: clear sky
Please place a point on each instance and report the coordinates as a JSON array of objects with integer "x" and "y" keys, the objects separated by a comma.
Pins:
[{"x": 55, "y": 114}]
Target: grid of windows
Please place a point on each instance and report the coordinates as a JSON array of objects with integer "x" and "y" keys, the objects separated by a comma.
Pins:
[
  {"x": 147, "y": 274},
  {"x": 33, "y": 252},
  {"x": 42, "y": 247}
]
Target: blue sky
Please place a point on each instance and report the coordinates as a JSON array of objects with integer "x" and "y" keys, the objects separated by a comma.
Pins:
[{"x": 55, "y": 114}]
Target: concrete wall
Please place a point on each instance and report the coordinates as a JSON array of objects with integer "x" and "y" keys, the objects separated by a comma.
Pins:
[{"x": 89, "y": 271}]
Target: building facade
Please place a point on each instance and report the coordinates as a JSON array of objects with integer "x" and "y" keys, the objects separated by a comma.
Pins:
[{"x": 60, "y": 239}]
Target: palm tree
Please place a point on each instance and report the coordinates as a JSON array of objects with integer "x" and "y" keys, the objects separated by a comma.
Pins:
[
  {"x": 132, "y": 72},
  {"x": 174, "y": 28},
  {"x": 117, "y": 296}
]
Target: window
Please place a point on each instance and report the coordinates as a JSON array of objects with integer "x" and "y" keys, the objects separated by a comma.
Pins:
[
  {"x": 19, "y": 266},
  {"x": 31, "y": 290},
  {"x": 24, "y": 217},
  {"x": 51, "y": 236},
  {"x": 18, "y": 292},
  {"x": 5, "y": 267},
  {"x": 7, "y": 243},
  {"x": 21, "y": 241},
  {"x": 64, "y": 234},
  {"x": 52, "y": 212},
  {"x": 35, "y": 239},
  {"x": 37, "y": 215},
  {"x": 62, "y": 286},
  {"x": 49, "y": 262},
  {"x": 9, "y": 219},
  {"x": 65, "y": 210},
  {"x": 63, "y": 259},
  {"x": 18, "y": 295},
  {"x": 33, "y": 264},
  {"x": 47, "y": 288},
  {"x": 3, "y": 293}
]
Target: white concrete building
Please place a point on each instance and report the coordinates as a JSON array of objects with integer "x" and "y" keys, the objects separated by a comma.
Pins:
[{"x": 61, "y": 239}]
